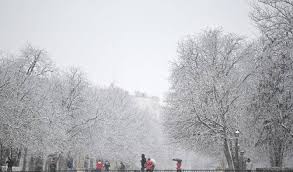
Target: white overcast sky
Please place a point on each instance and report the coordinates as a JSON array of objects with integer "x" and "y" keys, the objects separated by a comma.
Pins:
[{"x": 126, "y": 42}]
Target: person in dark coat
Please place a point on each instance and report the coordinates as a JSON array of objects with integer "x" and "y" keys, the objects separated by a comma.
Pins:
[
  {"x": 107, "y": 165},
  {"x": 86, "y": 164},
  {"x": 143, "y": 161},
  {"x": 52, "y": 167},
  {"x": 70, "y": 164},
  {"x": 9, "y": 163},
  {"x": 122, "y": 166}
]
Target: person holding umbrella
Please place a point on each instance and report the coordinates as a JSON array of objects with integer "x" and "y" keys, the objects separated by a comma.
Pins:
[{"x": 178, "y": 164}]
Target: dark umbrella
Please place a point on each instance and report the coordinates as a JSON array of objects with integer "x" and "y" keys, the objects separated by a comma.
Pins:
[{"x": 177, "y": 159}]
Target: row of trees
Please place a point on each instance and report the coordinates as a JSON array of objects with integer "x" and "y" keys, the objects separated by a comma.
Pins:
[
  {"x": 44, "y": 110},
  {"x": 221, "y": 83}
]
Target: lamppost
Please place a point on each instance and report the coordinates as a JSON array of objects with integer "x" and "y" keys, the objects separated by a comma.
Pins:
[
  {"x": 236, "y": 150},
  {"x": 241, "y": 161}
]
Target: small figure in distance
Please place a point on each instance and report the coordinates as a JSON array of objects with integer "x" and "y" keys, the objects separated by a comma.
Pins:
[
  {"x": 178, "y": 164},
  {"x": 122, "y": 166},
  {"x": 9, "y": 163},
  {"x": 249, "y": 165},
  {"x": 149, "y": 165},
  {"x": 107, "y": 165},
  {"x": 70, "y": 163},
  {"x": 99, "y": 166},
  {"x": 142, "y": 161}
]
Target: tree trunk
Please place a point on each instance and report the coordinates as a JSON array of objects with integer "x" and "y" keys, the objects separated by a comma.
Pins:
[
  {"x": 227, "y": 149},
  {"x": 18, "y": 156},
  {"x": 24, "y": 159},
  {"x": 39, "y": 164},
  {"x": 10, "y": 153},
  {"x": 276, "y": 153},
  {"x": 91, "y": 163},
  {"x": 228, "y": 155},
  {"x": 46, "y": 164},
  {"x": 1, "y": 154},
  {"x": 62, "y": 163},
  {"x": 31, "y": 166}
]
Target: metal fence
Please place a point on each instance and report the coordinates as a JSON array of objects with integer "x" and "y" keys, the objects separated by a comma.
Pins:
[{"x": 198, "y": 170}]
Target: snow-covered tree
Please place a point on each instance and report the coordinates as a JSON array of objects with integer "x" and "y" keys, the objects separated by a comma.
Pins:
[
  {"x": 49, "y": 112},
  {"x": 207, "y": 83},
  {"x": 23, "y": 77},
  {"x": 272, "y": 102}
]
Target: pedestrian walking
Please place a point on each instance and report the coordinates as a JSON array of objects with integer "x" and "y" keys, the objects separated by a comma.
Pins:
[
  {"x": 143, "y": 161},
  {"x": 99, "y": 166},
  {"x": 107, "y": 165},
  {"x": 249, "y": 165},
  {"x": 149, "y": 165},
  {"x": 70, "y": 164},
  {"x": 86, "y": 164},
  {"x": 53, "y": 165},
  {"x": 122, "y": 166},
  {"x": 178, "y": 166},
  {"x": 9, "y": 163}
]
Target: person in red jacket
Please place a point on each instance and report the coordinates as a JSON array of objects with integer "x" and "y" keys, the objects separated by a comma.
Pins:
[
  {"x": 99, "y": 166},
  {"x": 149, "y": 165}
]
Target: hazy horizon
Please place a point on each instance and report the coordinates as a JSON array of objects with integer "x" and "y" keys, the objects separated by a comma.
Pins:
[{"x": 128, "y": 43}]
